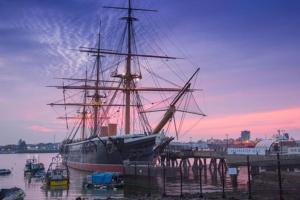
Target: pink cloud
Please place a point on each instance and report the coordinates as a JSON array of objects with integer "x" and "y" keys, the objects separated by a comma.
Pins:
[
  {"x": 38, "y": 128},
  {"x": 259, "y": 123}
]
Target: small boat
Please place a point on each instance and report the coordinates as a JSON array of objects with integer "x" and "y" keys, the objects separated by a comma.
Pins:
[
  {"x": 32, "y": 167},
  {"x": 28, "y": 165},
  {"x": 39, "y": 174},
  {"x": 12, "y": 194},
  {"x": 104, "y": 180},
  {"x": 57, "y": 174},
  {"x": 5, "y": 171}
]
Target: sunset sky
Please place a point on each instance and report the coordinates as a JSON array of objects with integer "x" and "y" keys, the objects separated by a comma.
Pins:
[{"x": 248, "y": 52}]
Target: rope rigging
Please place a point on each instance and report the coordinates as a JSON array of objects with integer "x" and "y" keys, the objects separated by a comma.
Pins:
[{"x": 105, "y": 106}]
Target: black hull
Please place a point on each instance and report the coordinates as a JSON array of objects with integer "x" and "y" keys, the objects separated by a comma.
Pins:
[{"x": 108, "y": 154}]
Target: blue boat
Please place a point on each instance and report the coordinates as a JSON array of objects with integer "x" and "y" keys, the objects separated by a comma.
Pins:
[{"x": 104, "y": 180}]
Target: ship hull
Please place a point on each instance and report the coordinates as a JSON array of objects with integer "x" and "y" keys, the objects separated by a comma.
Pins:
[
  {"x": 95, "y": 167},
  {"x": 108, "y": 153}
]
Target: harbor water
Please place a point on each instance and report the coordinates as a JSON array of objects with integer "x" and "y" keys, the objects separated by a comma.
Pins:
[
  {"x": 33, "y": 187},
  {"x": 34, "y": 190}
]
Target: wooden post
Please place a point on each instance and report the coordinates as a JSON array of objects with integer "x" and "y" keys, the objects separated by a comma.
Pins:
[
  {"x": 184, "y": 163},
  {"x": 200, "y": 180},
  {"x": 200, "y": 163},
  {"x": 172, "y": 162},
  {"x": 135, "y": 170},
  {"x": 279, "y": 177},
  {"x": 168, "y": 161},
  {"x": 181, "y": 180},
  {"x": 210, "y": 163},
  {"x": 249, "y": 178},
  {"x": 189, "y": 163},
  {"x": 164, "y": 181},
  {"x": 149, "y": 180},
  {"x": 220, "y": 164},
  {"x": 195, "y": 164},
  {"x": 215, "y": 163},
  {"x": 223, "y": 179}
]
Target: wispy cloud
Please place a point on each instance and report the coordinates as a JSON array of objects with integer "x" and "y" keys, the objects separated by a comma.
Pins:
[{"x": 40, "y": 129}]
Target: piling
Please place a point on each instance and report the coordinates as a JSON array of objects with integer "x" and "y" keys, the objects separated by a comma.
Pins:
[
  {"x": 223, "y": 179},
  {"x": 164, "y": 181},
  {"x": 149, "y": 180},
  {"x": 279, "y": 177},
  {"x": 200, "y": 181},
  {"x": 195, "y": 164},
  {"x": 249, "y": 178},
  {"x": 173, "y": 162},
  {"x": 168, "y": 161},
  {"x": 135, "y": 174},
  {"x": 181, "y": 180}
]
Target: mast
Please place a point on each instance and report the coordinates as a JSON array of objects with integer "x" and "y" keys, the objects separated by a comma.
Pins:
[
  {"x": 172, "y": 108},
  {"x": 84, "y": 109},
  {"x": 96, "y": 95},
  {"x": 128, "y": 76},
  {"x": 126, "y": 84}
]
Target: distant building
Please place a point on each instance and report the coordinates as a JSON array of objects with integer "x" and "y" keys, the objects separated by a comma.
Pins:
[
  {"x": 276, "y": 145},
  {"x": 245, "y": 135},
  {"x": 281, "y": 136},
  {"x": 187, "y": 145},
  {"x": 216, "y": 144},
  {"x": 246, "y": 151},
  {"x": 297, "y": 143}
]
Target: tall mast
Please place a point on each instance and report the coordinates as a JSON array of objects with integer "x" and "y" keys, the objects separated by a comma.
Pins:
[
  {"x": 84, "y": 108},
  {"x": 128, "y": 76},
  {"x": 96, "y": 96}
]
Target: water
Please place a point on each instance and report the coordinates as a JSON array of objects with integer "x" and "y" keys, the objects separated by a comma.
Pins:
[
  {"x": 33, "y": 187},
  {"x": 211, "y": 182}
]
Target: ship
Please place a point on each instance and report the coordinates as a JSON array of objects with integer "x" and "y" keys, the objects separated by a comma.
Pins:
[{"x": 111, "y": 125}]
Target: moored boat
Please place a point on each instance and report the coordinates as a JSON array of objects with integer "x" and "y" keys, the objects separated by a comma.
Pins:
[
  {"x": 103, "y": 180},
  {"x": 57, "y": 174},
  {"x": 32, "y": 167},
  {"x": 12, "y": 194},
  {"x": 5, "y": 172}
]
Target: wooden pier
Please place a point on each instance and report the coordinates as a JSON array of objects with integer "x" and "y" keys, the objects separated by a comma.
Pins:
[
  {"x": 211, "y": 159},
  {"x": 214, "y": 158}
]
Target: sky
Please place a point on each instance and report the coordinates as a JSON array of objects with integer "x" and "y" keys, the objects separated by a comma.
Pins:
[{"x": 248, "y": 52}]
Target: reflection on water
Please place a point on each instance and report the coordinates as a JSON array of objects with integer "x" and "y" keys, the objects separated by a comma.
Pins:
[
  {"x": 211, "y": 180},
  {"x": 33, "y": 187}
]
